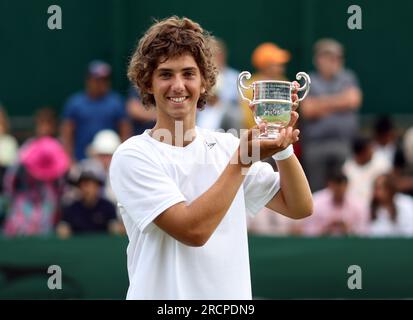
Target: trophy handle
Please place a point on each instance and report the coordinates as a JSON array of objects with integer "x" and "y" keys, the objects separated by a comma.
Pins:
[
  {"x": 247, "y": 75},
  {"x": 306, "y": 86}
]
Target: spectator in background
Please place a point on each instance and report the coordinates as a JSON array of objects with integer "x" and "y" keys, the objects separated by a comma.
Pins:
[
  {"x": 46, "y": 123},
  {"x": 363, "y": 168},
  {"x": 35, "y": 183},
  {"x": 270, "y": 224},
  {"x": 391, "y": 212},
  {"x": 8, "y": 143},
  {"x": 142, "y": 117},
  {"x": 329, "y": 113},
  {"x": 92, "y": 212},
  {"x": 102, "y": 148},
  {"x": 222, "y": 110},
  {"x": 8, "y": 155},
  {"x": 385, "y": 138},
  {"x": 336, "y": 211},
  {"x": 270, "y": 61},
  {"x": 227, "y": 76},
  {"x": 403, "y": 164},
  {"x": 95, "y": 109},
  {"x": 408, "y": 147}
]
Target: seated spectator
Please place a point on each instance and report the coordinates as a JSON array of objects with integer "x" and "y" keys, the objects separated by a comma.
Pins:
[
  {"x": 391, "y": 212},
  {"x": 95, "y": 109},
  {"x": 46, "y": 123},
  {"x": 8, "y": 155},
  {"x": 363, "y": 168},
  {"x": 8, "y": 144},
  {"x": 270, "y": 224},
  {"x": 408, "y": 147},
  {"x": 34, "y": 185},
  {"x": 91, "y": 213},
  {"x": 403, "y": 164},
  {"x": 103, "y": 146},
  {"x": 385, "y": 138},
  {"x": 336, "y": 212}
]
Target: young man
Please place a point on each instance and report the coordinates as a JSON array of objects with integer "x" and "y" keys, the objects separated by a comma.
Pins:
[{"x": 181, "y": 190}]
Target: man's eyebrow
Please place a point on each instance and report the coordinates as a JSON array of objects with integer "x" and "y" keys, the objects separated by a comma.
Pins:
[{"x": 171, "y": 70}]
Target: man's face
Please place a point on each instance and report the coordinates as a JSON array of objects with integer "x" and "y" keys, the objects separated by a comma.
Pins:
[
  {"x": 329, "y": 64},
  {"x": 98, "y": 86},
  {"x": 177, "y": 86},
  {"x": 338, "y": 189},
  {"x": 89, "y": 189},
  {"x": 274, "y": 71},
  {"x": 365, "y": 156},
  {"x": 45, "y": 127}
]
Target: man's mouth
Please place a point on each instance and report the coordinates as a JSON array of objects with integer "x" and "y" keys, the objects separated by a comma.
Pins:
[{"x": 177, "y": 99}]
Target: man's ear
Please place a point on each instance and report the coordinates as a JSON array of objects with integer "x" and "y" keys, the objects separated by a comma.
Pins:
[
  {"x": 203, "y": 90},
  {"x": 149, "y": 89}
]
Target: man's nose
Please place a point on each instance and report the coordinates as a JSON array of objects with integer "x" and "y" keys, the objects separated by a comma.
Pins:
[{"x": 178, "y": 84}]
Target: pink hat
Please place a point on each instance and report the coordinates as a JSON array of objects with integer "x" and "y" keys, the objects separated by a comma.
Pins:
[{"x": 45, "y": 159}]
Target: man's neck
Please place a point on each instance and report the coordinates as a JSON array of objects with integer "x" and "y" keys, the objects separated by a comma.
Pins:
[{"x": 179, "y": 133}]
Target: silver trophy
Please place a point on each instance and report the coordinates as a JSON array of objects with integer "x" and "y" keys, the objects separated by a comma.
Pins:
[{"x": 272, "y": 102}]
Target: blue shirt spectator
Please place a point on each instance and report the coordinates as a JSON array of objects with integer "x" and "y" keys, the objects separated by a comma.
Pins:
[
  {"x": 97, "y": 108},
  {"x": 91, "y": 116}
]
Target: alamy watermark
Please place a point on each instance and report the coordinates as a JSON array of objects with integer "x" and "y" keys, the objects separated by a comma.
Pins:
[
  {"x": 249, "y": 147},
  {"x": 355, "y": 280},
  {"x": 355, "y": 21},
  {"x": 54, "y": 22},
  {"x": 55, "y": 280}
]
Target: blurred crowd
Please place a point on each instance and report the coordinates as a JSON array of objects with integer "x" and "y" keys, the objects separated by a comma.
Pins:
[{"x": 362, "y": 178}]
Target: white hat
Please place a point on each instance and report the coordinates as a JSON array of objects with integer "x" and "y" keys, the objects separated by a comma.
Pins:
[{"x": 105, "y": 142}]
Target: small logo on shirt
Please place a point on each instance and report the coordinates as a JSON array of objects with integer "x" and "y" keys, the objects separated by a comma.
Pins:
[{"x": 210, "y": 145}]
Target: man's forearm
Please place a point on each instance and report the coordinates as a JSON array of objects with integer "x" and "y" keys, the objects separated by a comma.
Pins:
[
  {"x": 321, "y": 106},
  {"x": 350, "y": 99},
  {"x": 295, "y": 192}
]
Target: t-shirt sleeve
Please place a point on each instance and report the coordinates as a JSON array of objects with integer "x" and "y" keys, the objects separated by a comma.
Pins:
[
  {"x": 260, "y": 186},
  {"x": 142, "y": 187}
]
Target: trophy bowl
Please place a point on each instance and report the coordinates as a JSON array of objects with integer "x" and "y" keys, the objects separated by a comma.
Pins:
[{"x": 272, "y": 102}]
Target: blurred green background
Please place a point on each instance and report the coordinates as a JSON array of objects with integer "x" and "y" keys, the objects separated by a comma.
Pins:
[{"x": 41, "y": 67}]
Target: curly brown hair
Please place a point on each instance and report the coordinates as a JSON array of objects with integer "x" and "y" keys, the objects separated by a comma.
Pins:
[{"x": 169, "y": 38}]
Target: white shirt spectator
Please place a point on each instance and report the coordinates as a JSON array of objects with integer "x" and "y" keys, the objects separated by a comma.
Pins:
[{"x": 403, "y": 226}]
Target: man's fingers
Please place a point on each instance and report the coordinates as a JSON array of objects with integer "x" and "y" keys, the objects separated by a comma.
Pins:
[
  {"x": 296, "y": 86},
  {"x": 296, "y": 133},
  {"x": 294, "y": 118}
]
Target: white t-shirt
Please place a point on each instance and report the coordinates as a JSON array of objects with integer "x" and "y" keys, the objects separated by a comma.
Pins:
[{"x": 148, "y": 177}]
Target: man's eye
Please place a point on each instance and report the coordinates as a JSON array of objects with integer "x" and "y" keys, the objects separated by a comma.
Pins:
[
  {"x": 165, "y": 75},
  {"x": 189, "y": 74}
]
